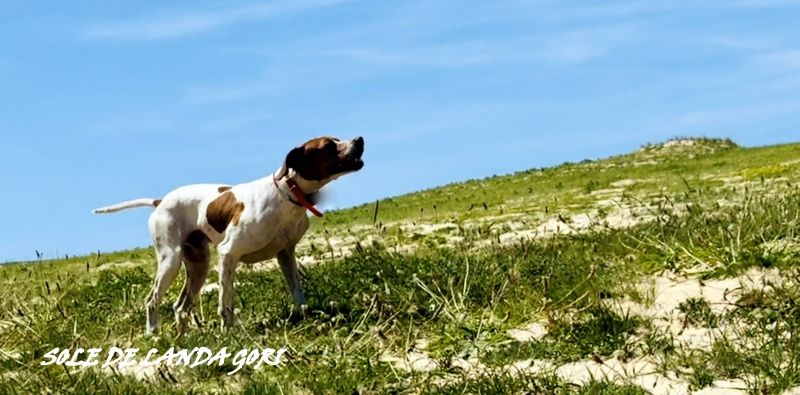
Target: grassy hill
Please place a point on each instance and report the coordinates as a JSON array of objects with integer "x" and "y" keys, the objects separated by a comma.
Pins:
[{"x": 666, "y": 270}]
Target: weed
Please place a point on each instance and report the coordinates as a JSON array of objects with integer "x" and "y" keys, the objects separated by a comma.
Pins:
[{"x": 697, "y": 312}]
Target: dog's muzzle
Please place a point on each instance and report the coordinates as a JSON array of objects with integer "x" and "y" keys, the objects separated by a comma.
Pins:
[{"x": 352, "y": 160}]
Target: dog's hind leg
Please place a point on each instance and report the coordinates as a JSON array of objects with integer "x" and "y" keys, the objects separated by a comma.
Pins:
[
  {"x": 169, "y": 262},
  {"x": 168, "y": 255},
  {"x": 196, "y": 256}
]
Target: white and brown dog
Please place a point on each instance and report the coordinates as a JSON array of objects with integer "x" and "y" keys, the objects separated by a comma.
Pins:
[{"x": 248, "y": 223}]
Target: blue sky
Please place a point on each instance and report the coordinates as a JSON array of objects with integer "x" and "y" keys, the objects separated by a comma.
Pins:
[{"x": 103, "y": 101}]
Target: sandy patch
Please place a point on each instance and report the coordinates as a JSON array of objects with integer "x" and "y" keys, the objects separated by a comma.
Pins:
[
  {"x": 640, "y": 371},
  {"x": 792, "y": 391},
  {"x": 209, "y": 288},
  {"x": 140, "y": 372},
  {"x": 416, "y": 360},
  {"x": 615, "y": 215},
  {"x": 118, "y": 265},
  {"x": 411, "y": 362},
  {"x": 679, "y": 143},
  {"x": 670, "y": 291},
  {"x": 428, "y": 228},
  {"x": 553, "y": 226},
  {"x": 720, "y": 387},
  {"x": 607, "y": 192},
  {"x": 623, "y": 183},
  {"x": 644, "y": 162},
  {"x": 532, "y": 331}
]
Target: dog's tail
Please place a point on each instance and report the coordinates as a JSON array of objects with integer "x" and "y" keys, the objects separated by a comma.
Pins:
[{"x": 126, "y": 205}]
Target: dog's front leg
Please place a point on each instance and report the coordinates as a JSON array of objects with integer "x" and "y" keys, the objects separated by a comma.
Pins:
[
  {"x": 227, "y": 270},
  {"x": 288, "y": 265}
]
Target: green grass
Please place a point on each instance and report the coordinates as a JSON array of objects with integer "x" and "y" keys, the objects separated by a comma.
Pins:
[
  {"x": 697, "y": 312},
  {"x": 506, "y": 383},
  {"x": 460, "y": 302},
  {"x": 559, "y": 188},
  {"x": 764, "y": 346},
  {"x": 599, "y": 333}
]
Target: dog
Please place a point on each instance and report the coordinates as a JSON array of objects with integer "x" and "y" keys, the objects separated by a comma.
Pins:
[{"x": 248, "y": 223}]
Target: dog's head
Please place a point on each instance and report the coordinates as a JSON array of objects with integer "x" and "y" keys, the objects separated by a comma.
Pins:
[{"x": 324, "y": 159}]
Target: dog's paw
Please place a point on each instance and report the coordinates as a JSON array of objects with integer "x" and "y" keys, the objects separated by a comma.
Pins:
[
  {"x": 301, "y": 310},
  {"x": 152, "y": 336},
  {"x": 227, "y": 325},
  {"x": 298, "y": 313},
  {"x": 151, "y": 330}
]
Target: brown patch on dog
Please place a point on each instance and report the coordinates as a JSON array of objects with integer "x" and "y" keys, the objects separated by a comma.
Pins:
[
  {"x": 156, "y": 202},
  {"x": 195, "y": 248},
  {"x": 223, "y": 189},
  {"x": 224, "y": 210}
]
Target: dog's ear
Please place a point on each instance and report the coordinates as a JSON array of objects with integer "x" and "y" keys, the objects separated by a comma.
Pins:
[{"x": 294, "y": 160}]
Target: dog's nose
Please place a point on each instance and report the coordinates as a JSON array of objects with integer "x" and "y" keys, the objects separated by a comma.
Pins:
[{"x": 358, "y": 146}]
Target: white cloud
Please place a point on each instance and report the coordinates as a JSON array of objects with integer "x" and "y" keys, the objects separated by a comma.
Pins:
[
  {"x": 199, "y": 22},
  {"x": 574, "y": 47},
  {"x": 446, "y": 56},
  {"x": 644, "y": 7},
  {"x": 566, "y": 47},
  {"x": 780, "y": 59},
  {"x": 297, "y": 65},
  {"x": 624, "y": 9},
  {"x": 740, "y": 42}
]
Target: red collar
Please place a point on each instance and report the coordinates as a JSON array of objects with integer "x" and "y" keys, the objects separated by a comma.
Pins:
[{"x": 299, "y": 195}]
